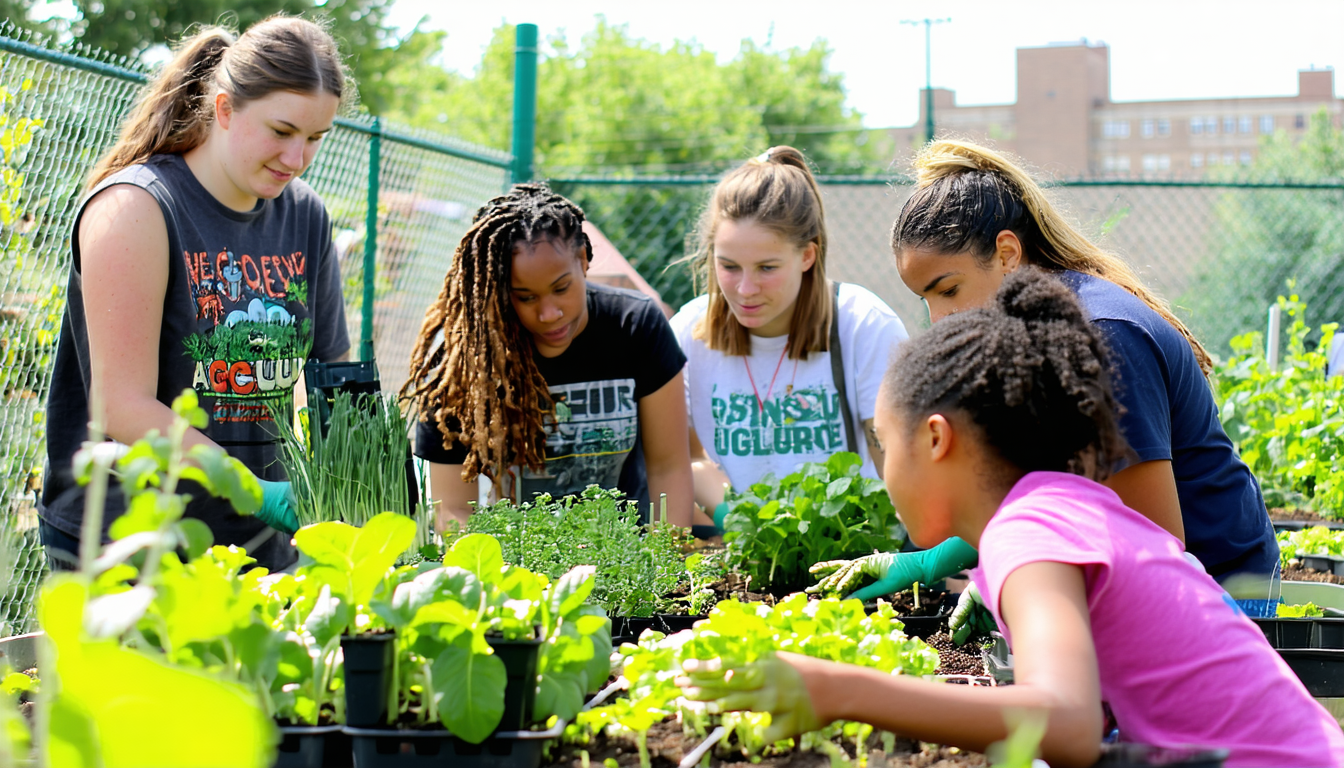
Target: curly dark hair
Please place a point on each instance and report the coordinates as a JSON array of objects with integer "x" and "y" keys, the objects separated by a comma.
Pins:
[
  {"x": 472, "y": 371},
  {"x": 1029, "y": 371}
]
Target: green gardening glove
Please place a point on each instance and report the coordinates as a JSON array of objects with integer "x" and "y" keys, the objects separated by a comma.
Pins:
[
  {"x": 970, "y": 616},
  {"x": 278, "y": 506},
  {"x": 894, "y": 571},
  {"x": 720, "y": 512},
  {"x": 769, "y": 685}
]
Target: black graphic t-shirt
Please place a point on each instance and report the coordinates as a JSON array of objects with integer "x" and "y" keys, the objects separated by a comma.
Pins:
[
  {"x": 626, "y": 352},
  {"x": 251, "y": 296}
]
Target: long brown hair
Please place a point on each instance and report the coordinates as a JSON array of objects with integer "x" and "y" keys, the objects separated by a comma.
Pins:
[
  {"x": 777, "y": 191},
  {"x": 174, "y": 112},
  {"x": 966, "y": 195},
  {"x": 472, "y": 371}
]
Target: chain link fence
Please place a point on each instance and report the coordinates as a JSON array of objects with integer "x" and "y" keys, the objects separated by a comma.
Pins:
[
  {"x": 58, "y": 112},
  {"x": 1219, "y": 252}
]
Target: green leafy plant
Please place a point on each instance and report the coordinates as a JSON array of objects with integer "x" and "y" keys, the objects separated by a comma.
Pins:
[
  {"x": 636, "y": 568},
  {"x": 1288, "y": 424},
  {"x": 776, "y": 529},
  {"x": 1309, "y": 610},
  {"x": 740, "y": 633},
  {"x": 1313, "y": 540}
]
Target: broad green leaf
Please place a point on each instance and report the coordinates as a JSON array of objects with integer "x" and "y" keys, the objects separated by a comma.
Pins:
[
  {"x": 376, "y": 548},
  {"x": 560, "y": 695},
  {"x": 195, "y": 536},
  {"x": 478, "y": 553},
  {"x": 571, "y": 590},
  {"x": 471, "y": 686}
]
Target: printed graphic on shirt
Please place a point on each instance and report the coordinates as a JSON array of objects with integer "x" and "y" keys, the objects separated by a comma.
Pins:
[
  {"x": 796, "y": 422},
  {"x": 249, "y": 348},
  {"x": 596, "y": 426}
]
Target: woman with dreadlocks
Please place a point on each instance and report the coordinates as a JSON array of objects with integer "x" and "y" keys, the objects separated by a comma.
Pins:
[
  {"x": 974, "y": 218},
  {"x": 543, "y": 382}
]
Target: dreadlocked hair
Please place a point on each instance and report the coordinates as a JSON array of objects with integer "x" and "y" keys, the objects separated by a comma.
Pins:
[
  {"x": 965, "y": 195},
  {"x": 1029, "y": 371},
  {"x": 472, "y": 371}
]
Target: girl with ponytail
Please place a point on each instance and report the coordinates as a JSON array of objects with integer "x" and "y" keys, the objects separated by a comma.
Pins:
[
  {"x": 996, "y": 427},
  {"x": 200, "y": 260},
  {"x": 767, "y": 389},
  {"x": 974, "y": 218}
]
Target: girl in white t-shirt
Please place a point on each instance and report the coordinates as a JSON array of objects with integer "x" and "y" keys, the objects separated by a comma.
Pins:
[{"x": 761, "y": 385}]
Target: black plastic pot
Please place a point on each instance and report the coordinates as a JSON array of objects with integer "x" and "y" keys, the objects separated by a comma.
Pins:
[
  {"x": 368, "y": 664},
  {"x": 924, "y": 627},
  {"x": 1327, "y": 633},
  {"x": 520, "y": 693},
  {"x": 378, "y": 748},
  {"x": 324, "y": 746},
  {"x": 1297, "y": 525},
  {"x": 1143, "y": 755},
  {"x": 628, "y": 629},
  {"x": 1320, "y": 670}
]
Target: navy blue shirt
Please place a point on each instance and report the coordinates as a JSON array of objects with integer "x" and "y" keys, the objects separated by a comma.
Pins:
[{"x": 1170, "y": 415}]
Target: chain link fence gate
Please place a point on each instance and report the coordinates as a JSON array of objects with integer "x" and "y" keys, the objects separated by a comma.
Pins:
[
  {"x": 58, "y": 112},
  {"x": 1220, "y": 252}
]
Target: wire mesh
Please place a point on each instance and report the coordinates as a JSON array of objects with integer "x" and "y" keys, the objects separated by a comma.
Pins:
[
  {"x": 1218, "y": 252},
  {"x": 58, "y": 113}
]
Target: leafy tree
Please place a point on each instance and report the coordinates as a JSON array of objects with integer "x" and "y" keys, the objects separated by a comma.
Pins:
[{"x": 1264, "y": 238}]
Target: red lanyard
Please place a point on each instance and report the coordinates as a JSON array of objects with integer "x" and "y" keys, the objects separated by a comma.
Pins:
[{"x": 759, "y": 402}]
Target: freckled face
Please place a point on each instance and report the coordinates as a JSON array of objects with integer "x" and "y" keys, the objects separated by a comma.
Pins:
[
  {"x": 948, "y": 283},
  {"x": 549, "y": 294}
]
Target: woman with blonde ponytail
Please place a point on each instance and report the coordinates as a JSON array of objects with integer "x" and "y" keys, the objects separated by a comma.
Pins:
[
  {"x": 199, "y": 260},
  {"x": 974, "y": 218},
  {"x": 766, "y": 388}
]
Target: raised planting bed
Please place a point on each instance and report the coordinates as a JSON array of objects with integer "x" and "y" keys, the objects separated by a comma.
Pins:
[
  {"x": 391, "y": 748},
  {"x": 1303, "y": 633},
  {"x": 1295, "y": 572},
  {"x": 1295, "y": 519}
]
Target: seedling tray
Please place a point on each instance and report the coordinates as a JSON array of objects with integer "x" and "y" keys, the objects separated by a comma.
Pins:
[
  {"x": 1321, "y": 670},
  {"x": 367, "y": 659},
  {"x": 1324, "y": 563},
  {"x": 313, "y": 747},
  {"x": 520, "y": 692},
  {"x": 1303, "y": 633},
  {"x": 924, "y": 627},
  {"x": 379, "y": 748},
  {"x": 628, "y": 629},
  {"x": 1297, "y": 525}
]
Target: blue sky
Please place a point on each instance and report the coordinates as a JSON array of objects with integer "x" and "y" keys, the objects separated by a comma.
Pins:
[{"x": 1171, "y": 49}]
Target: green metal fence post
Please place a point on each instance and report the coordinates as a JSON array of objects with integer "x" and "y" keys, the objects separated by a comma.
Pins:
[
  {"x": 371, "y": 240},
  {"x": 524, "y": 101}
]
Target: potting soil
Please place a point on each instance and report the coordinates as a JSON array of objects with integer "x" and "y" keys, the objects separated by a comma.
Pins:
[{"x": 957, "y": 660}]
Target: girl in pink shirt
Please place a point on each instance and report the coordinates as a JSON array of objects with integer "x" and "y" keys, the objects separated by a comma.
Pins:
[{"x": 995, "y": 425}]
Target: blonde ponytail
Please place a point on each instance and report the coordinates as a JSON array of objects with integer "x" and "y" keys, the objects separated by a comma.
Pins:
[{"x": 966, "y": 194}]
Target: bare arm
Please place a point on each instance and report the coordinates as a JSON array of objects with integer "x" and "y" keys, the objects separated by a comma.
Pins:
[
  {"x": 667, "y": 459},
  {"x": 1055, "y": 666},
  {"x": 453, "y": 494},
  {"x": 874, "y": 447},
  {"x": 124, "y": 265},
  {"x": 709, "y": 480},
  {"x": 1149, "y": 488}
]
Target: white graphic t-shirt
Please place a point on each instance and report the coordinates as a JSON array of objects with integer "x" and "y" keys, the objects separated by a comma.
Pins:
[{"x": 751, "y": 428}]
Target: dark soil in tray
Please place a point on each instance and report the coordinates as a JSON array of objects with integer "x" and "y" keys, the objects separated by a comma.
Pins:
[
  {"x": 931, "y": 602},
  {"x": 731, "y": 587},
  {"x": 956, "y": 659},
  {"x": 1298, "y": 573},
  {"x": 667, "y": 746}
]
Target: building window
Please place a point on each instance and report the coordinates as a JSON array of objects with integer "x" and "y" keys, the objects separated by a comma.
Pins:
[
  {"x": 1244, "y": 124},
  {"x": 1197, "y": 160},
  {"x": 1115, "y": 163},
  {"x": 1299, "y": 122},
  {"x": 1245, "y": 157},
  {"x": 1196, "y": 125},
  {"x": 1115, "y": 129},
  {"x": 1211, "y": 125},
  {"x": 1164, "y": 127},
  {"x": 1148, "y": 128},
  {"x": 1228, "y": 159},
  {"x": 1156, "y": 163},
  {"x": 1266, "y": 123},
  {"x": 1229, "y": 125}
]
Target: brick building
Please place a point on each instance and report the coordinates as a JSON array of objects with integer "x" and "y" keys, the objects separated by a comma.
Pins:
[{"x": 1065, "y": 125}]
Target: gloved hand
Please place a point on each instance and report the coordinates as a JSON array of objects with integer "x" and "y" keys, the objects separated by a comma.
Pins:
[
  {"x": 894, "y": 571},
  {"x": 278, "y": 507},
  {"x": 769, "y": 684},
  {"x": 970, "y": 616},
  {"x": 720, "y": 512}
]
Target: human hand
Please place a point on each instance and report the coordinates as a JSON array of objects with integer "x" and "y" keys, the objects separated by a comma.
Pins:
[
  {"x": 839, "y": 576},
  {"x": 970, "y": 616},
  {"x": 771, "y": 684},
  {"x": 278, "y": 506}
]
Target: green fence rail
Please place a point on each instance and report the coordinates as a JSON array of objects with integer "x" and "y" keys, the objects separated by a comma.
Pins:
[
  {"x": 1220, "y": 252},
  {"x": 399, "y": 200}
]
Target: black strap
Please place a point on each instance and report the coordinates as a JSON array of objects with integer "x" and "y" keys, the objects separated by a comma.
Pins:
[{"x": 838, "y": 372}]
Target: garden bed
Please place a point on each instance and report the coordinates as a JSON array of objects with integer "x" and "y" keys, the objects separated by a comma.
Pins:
[{"x": 1300, "y": 573}]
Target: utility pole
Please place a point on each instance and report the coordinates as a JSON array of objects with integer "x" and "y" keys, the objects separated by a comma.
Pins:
[{"x": 928, "y": 71}]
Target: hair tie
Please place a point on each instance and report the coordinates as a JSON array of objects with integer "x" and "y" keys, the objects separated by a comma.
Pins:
[{"x": 764, "y": 157}]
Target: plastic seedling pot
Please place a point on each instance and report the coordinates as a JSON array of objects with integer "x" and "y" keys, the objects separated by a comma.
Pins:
[
  {"x": 378, "y": 748},
  {"x": 999, "y": 660},
  {"x": 368, "y": 659},
  {"x": 1320, "y": 670},
  {"x": 520, "y": 693},
  {"x": 1297, "y": 525},
  {"x": 1287, "y": 633},
  {"x": 1327, "y": 633},
  {"x": 312, "y": 747},
  {"x": 1323, "y": 563},
  {"x": 1142, "y": 755},
  {"x": 924, "y": 627}
]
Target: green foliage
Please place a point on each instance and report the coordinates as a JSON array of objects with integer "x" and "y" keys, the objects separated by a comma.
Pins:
[
  {"x": 775, "y": 530},
  {"x": 1313, "y": 540},
  {"x": 1310, "y": 610},
  {"x": 1288, "y": 425},
  {"x": 635, "y": 570},
  {"x": 739, "y": 633},
  {"x": 1262, "y": 238}
]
